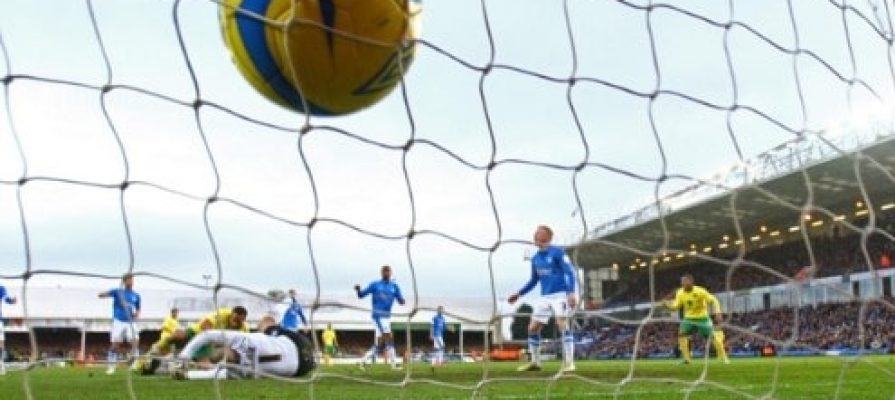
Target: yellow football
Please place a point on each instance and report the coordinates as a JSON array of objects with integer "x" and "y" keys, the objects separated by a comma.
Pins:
[{"x": 321, "y": 57}]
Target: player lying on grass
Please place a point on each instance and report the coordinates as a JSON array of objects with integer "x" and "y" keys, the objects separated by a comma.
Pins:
[
  {"x": 272, "y": 350},
  {"x": 222, "y": 319},
  {"x": 695, "y": 301}
]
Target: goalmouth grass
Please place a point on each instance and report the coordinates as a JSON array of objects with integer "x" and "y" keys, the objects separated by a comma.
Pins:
[{"x": 787, "y": 378}]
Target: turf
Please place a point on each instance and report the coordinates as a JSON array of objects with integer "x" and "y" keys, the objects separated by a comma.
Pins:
[{"x": 797, "y": 378}]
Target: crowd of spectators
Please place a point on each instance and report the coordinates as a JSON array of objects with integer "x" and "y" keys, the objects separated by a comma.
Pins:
[
  {"x": 835, "y": 253},
  {"x": 834, "y": 326}
]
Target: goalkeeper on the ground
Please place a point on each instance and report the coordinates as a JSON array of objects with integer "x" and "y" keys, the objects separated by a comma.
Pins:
[
  {"x": 270, "y": 351},
  {"x": 695, "y": 301}
]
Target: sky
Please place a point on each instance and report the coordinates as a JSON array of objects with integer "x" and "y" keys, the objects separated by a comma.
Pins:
[{"x": 64, "y": 134}]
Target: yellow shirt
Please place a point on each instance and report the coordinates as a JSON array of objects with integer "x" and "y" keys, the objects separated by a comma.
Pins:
[
  {"x": 170, "y": 325},
  {"x": 329, "y": 337},
  {"x": 219, "y": 319},
  {"x": 695, "y": 302}
]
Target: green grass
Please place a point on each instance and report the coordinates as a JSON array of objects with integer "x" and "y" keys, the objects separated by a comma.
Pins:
[{"x": 797, "y": 378}]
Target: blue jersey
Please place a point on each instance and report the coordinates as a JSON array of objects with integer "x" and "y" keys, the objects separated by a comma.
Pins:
[
  {"x": 550, "y": 268},
  {"x": 384, "y": 294},
  {"x": 125, "y": 302},
  {"x": 292, "y": 315},
  {"x": 438, "y": 326},
  {"x": 4, "y": 297}
]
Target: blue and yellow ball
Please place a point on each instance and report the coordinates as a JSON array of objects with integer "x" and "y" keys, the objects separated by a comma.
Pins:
[{"x": 321, "y": 57}]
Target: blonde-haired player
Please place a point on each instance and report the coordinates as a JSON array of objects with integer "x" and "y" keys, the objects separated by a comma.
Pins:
[
  {"x": 695, "y": 301},
  {"x": 550, "y": 267}
]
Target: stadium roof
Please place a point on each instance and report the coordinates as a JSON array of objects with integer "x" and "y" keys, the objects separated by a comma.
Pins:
[{"x": 767, "y": 195}]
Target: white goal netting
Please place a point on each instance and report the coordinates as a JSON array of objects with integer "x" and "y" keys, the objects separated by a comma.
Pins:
[{"x": 130, "y": 144}]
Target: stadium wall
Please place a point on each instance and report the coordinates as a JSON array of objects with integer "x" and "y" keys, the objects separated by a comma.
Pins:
[{"x": 79, "y": 308}]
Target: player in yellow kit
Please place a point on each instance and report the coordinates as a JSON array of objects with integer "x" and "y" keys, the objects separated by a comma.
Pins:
[
  {"x": 169, "y": 326},
  {"x": 695, "y": 301},
  {"x": 224, "y": 319},
  {"x": 162, "y": 346},
  {"x": 329, "y": 345}
]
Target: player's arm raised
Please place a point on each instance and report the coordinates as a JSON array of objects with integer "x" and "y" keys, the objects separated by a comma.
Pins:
[
  {"x": 525, "y": 289},
  {"x": 363, "y": 293},
  {"x": 107, "y": 293}
]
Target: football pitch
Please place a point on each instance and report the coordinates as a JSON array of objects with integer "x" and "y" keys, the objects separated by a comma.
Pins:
[{"x": 796, "y": 378}]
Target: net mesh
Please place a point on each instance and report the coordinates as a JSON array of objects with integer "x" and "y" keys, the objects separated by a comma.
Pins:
[{"x": 744, "y": 42}]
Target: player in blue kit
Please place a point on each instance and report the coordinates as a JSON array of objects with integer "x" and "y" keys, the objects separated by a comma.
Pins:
[
  {"x": 4, "y": 298},
  {"x": 436, "y": 333},
  {"x": 384, "y": 292},
  {"x": 292, "y": 315},
  {"x": 125, "y": 311},
  {"x": 551, "y": 268}
]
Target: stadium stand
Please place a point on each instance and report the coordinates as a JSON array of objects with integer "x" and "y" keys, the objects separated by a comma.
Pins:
[
  {"x": 831, "y": 327},
  {"x": 835, "y": 253}
]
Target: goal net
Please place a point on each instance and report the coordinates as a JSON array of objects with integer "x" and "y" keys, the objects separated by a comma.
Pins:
[{"x": 745, "y": 142}]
